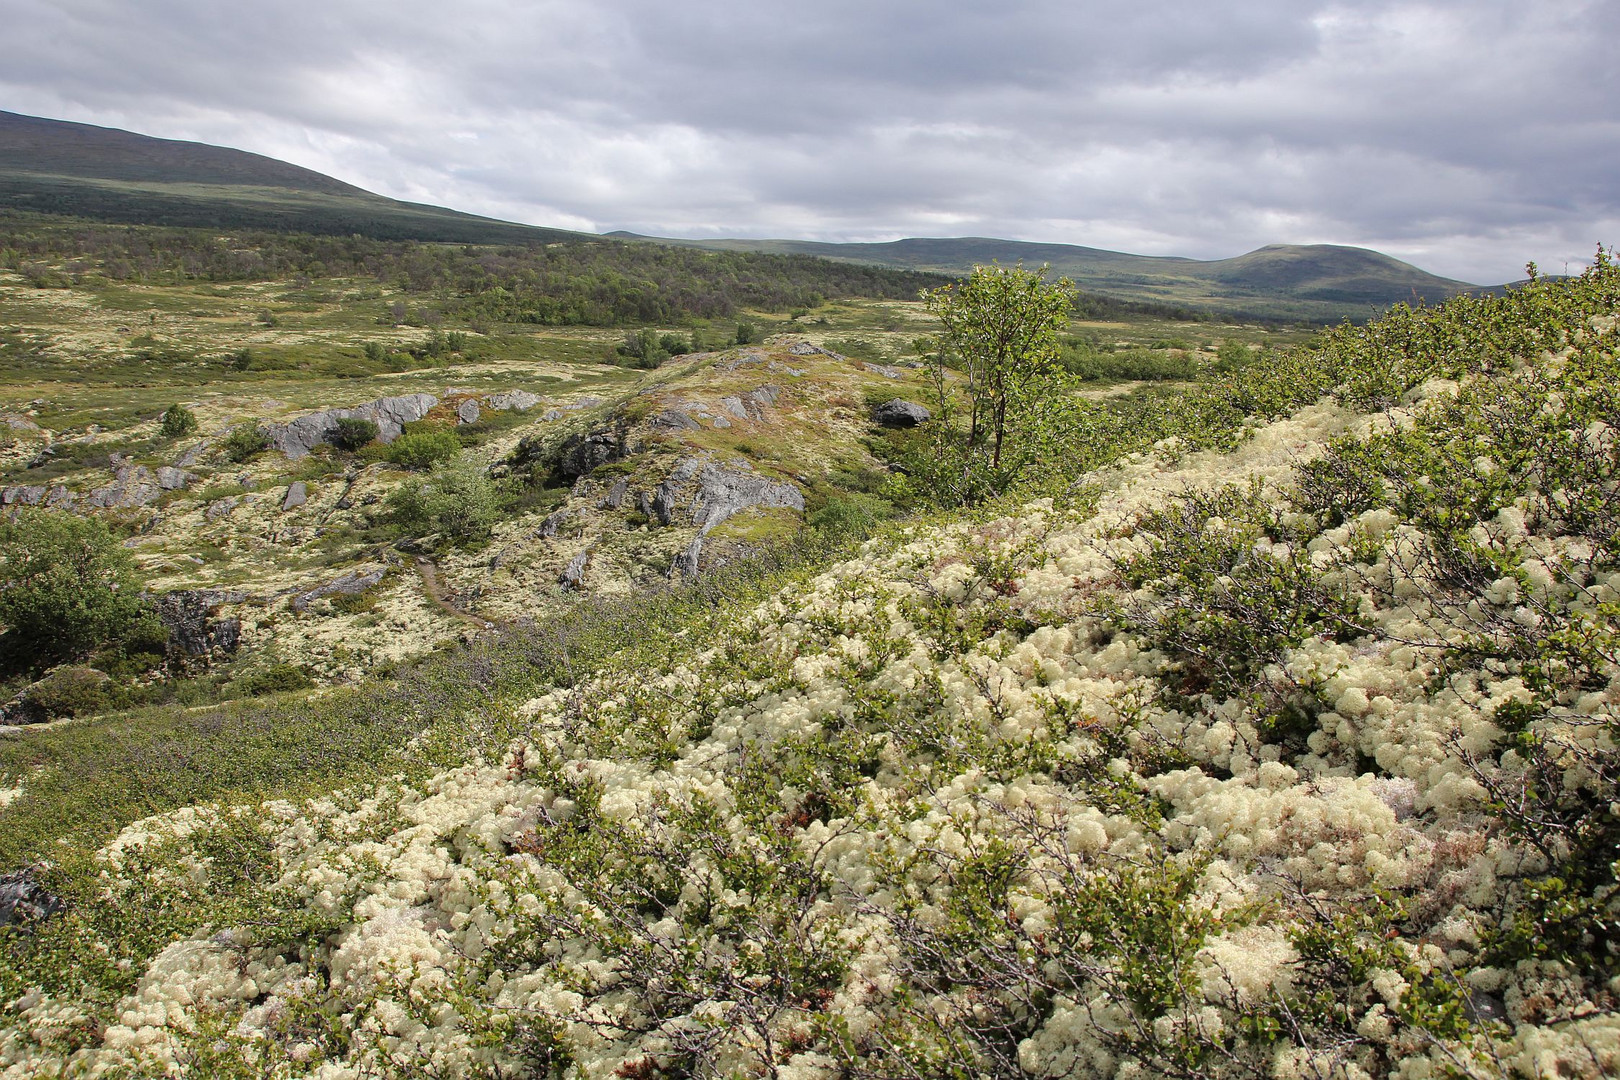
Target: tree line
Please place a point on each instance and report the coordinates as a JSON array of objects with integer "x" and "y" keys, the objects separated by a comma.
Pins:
[{"x": 586, "y": 282}]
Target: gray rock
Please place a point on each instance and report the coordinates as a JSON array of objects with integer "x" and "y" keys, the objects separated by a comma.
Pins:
[
  {"x": 192, "y": 456},
  {"x": 467, "y": 412},
  {"x": 685, "y": 564},
  {"x": 582, "y": 454},
  {"x": 552, "y": 414},
  {"x": 518, "y": 400},
  {"x": 24, "y": 900},
  {"x": 172, "y": 479},
  {"x": 721, "y": 422},
  {"x": 666, "y": 496},
  {"x": 221, "y": 507},
  {"x": 615, "y": 495},
  {"x": 589, "y": 401},
  {"x": 355, "y": 581},
  {"x": 723, "y": 492},
  {"x": 18, "y": 423},
  {"x": 734, "y": 406},
  {"x": 297, "y": 495},
  {"x": 720, "y": 493},
  {"x": 22, "y": 495},
  {"x": 548, "y": 528},
  {"x": 133, "y": 486},
  {"x": 884, "y": 370},
  {"x": 298, "y": 437},
  {"x": 193, "y": 632},
  {"x": 674, "y": 420},
  {"x": 573, "y": 575},
  {"x": 900, "y": 413}
]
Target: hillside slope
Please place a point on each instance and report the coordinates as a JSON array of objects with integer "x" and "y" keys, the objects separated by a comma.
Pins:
[
  {"x": 1320, "y": 282},
  {"x": 58, "y": 167},
  {"x": 1287, "y": 761}
]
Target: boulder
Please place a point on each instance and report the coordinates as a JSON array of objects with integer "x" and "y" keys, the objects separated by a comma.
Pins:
[
  {"x": 173, "y": 479},
  {"x": 674, "y": 420},
  {"x": 297, "y": 495},
  {"x": 898, "y": 412},
  {"x": 467, "y": 412},
  {"x": 24, "y": 900}
]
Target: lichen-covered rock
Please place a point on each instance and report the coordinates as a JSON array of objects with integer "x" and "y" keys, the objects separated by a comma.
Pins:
[
  {"x": 350, "y": 584},
  {"x": 512, "y": 400},
  {"x": 467, "y": 412},
  {"x": 297, "y": 495}
]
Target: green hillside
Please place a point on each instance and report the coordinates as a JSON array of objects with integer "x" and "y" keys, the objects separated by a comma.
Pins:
[
  {"x": 103, "y": 174},
  {"x": 1318, "y": 282}
]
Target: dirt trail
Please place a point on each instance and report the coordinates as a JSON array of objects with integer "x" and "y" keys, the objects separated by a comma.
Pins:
[{"x": 435, "y": 592}]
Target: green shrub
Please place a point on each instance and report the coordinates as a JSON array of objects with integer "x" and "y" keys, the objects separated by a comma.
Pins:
[
  {"x": 423, "y": 448},
  {"x": 245, "y": 441},
  {"x": 274, "y": 679},
  {"x": 66, "y": 586},
  {"x": 457, "y": 499},
  {"x": 353, "y": 432},
  {"x": 70, "y": 691},
  {"x": 178, "y": 421}
]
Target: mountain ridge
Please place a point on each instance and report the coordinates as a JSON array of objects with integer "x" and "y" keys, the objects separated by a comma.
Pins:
[
  {"x": 82, "y": 170},
  {"x": 1307, "y": 277}
]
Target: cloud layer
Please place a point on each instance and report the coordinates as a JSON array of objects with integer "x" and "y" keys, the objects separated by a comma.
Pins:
[{"x": 1465, "y": 135}]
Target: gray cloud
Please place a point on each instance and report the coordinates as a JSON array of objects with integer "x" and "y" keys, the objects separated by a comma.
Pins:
[{"x": 1467, "y": 135}]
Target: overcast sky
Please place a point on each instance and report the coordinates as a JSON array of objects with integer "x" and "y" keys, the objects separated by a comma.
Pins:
[{"x": 1466, "y": 136}]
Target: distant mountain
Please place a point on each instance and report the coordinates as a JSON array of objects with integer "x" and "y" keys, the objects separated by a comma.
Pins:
[
  {"x": 1318, "y": 282},
  {"x": 58, "y": 167}
]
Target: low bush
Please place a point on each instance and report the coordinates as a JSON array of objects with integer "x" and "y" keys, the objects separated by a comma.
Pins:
[
  {"x": 245, "y": 441},
  {"x": 422, "y": 447},
  {"x": 353, "y": 432},
  {"x": 178, "y": 421}
]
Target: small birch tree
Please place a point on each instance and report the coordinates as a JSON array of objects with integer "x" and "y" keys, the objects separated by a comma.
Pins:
[{"x": 1000, "y": 327}]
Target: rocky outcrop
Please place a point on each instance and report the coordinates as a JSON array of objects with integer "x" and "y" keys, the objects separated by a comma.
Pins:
[
  {"x": 685, "y": 565},
  {"x": 615, "y": 495},
  {"x": 350, "y": 584},
  {"x": 573, "y": 575},
  {"x": 297, "y": 495},
  {"x": 170, "y": 478},
  {"x": 582, "y": 454},
  {"x": 674, "y": 420},
  {"x": 512, "y": 400},
  {"x": 297, "y": 438},
  {"x": 898, "y": 412},
  {"x": 193, "y": 630},
  {"x": 720, "y": 493}
]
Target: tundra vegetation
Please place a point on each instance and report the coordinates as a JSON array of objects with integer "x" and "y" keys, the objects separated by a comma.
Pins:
[{"x": 1263, "y": 726}]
